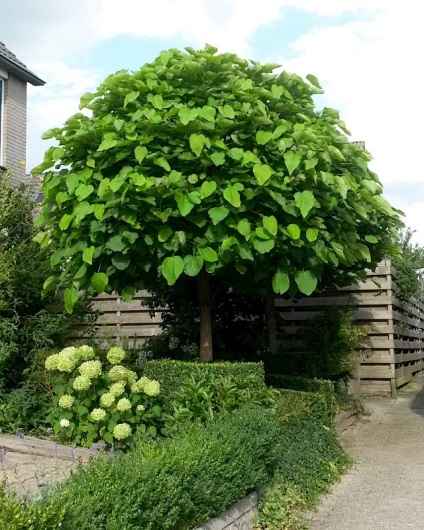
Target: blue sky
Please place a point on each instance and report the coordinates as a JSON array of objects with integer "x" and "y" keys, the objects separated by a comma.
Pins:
[{"x": 366, "y": 54}]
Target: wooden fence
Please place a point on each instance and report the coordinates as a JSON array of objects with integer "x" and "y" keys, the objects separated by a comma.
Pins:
[{"x": 394, "y": 348}]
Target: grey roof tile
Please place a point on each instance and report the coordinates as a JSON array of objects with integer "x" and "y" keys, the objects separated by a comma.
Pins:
[{"x": 17, "y": 66}]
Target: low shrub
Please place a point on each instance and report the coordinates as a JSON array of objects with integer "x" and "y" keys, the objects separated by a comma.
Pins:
[
  {"x": 175, "y": 483},
  {"x": 293, "y": 404},
  {"x": 321, "y": 386},
  {"x": 100, "y": 400},
  {"x": 203, "y": 395},
  {"x": 171, "y": 374},
  {"x": 311, "y": 460},
  {"x": 18, "y": 514}
]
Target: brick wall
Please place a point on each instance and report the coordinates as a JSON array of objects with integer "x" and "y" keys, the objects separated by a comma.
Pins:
[{"x": 14, "y": 126}]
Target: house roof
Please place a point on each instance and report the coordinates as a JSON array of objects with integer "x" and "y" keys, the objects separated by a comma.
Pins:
[{"x": 11, "y": 63}]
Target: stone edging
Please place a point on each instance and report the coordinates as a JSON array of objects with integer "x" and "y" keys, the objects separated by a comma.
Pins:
[{"x": 238, "y": 517}]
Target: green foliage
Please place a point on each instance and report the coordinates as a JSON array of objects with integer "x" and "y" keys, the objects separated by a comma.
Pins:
[
  {"x": 329, "y": 352},
  {"x": 204, "y": 394},
  {"x": 303, "y": 384},
  {"x": 312, "y": 459},
  {"x": 26, "y": 323},
  {"x": 207, "y": 161},
  {"x": 295, "y": 404},
  {"x": 100, "y": 400},
  {"x": 177, "y": 483},
  {"x": 18, "y": 514},
  {"x": 171, "y": 374},
  {"x": 409, "y": 266}
]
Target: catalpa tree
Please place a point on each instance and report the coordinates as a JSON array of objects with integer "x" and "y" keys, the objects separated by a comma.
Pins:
[{"x": 204, "y": 164}]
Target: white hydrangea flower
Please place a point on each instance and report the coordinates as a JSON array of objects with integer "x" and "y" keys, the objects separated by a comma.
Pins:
[
  {"x": 68, "y": 359},
  {"x": 118, "y": 373},
  {"x": 117, "y": 389},
  {"x": 122, "y": 431},
  {"x": 107, "y": 400},
  {"x": 52, "y": 362},
  {"x": 86, "y": 353},
  {"x": 140, "y": 408},
  {"x": 91, "y": 369},
  {"x": 82, "y": 383},
  {"x": 64, "y": 423},
  {"x": 152, "y": 388},
  {"x": 116, "y": 355},
  {"x": 123, "y": 404},
  {"x": 66, "y": 401},
  {"x": 98, "y": 414}
]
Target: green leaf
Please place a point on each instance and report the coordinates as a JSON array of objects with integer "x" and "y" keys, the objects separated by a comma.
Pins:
[
  {"x": 304, "y": 201},
  {"x": 103, "y": 187},
  {"x": 270, "y": 224},
  {"x": 280, "y": 282},
  {"x": 371, "y": 239},
  {"x": 185, "y": 205},
  {"x": 236, "y": 153},
  {"x": 341, "y": 184},
  {"x": 218, "y": 214},
  {"x": 116, "y": 243},
  {"x": 172, "y": 268},
  {"x": 335, "y": 153},
  {"x": 65, "y": 221},
  {"x": 314, "y": 81},
  {"x": 193, "y": 178},
  {"x": 229, "y": 242},
  {"x": 108, "y": 438},
  {"x": 197, "y": 142},
  {"x": 263, "y": 173},
  {"x": 208, "y": 113},
  {"x": 279, "y": 131},
  {"x": 310, "y": 164},
  {"x": 293, "y": 231},
  {"x": 363, "y": 251},
  {"x": 165, "y": 233},
  {"x": 193, "y": 265},
  {"x": 107, "y": 143},
  {"x": 311, "y": 234},
  {"x": 81, "y": 272},
  {"x": 162, "y": 162},
  {"x": 83, "y": 191},
  {"x": 88, "y": 254},
  {"x": 306, "y": 282},
  {"x": 70, "y": 297},
  {"x": 129, "y": 98},
  {"x": 263, "y": 246},
  {"x": 128, "y": 293},
  {"x": 292, "y": 160},
  {"x": 243, "y": 227},
  {"x": 232, "y": 196},
  {"x": 187, "y": 115},
  {"x": 71, "y": 182},
  {"x": 157, "y": 101},
  {"x": 207, "y": 188},
  {"x": 99, "y": 210},
  {"x": 120, "y": 261},
  {"x": 208, "y": 254},
  {"x": 49, "y": 284},
  {"x": 116, "y": 183},
  {"x": 263, "y": 137},
  {"x": 140, "y": 153},
  {"x": 99, "y": 282},
  {"x": 218, "y": 158},
  {"x": 227, "y": 111}
]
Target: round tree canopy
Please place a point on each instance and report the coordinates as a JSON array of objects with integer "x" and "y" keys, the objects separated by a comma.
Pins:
[{"x": 201, "y": 161}]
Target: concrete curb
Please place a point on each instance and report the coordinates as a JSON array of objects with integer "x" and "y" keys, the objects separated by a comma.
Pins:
[{"x": 238, "y": 517}]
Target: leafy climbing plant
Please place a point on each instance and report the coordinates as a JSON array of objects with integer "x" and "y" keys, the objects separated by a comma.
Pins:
[{"x": 203, "y": 163}]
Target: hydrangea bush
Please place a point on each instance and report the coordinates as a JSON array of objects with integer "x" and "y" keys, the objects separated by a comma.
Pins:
[{"x": 101, "y": 400}]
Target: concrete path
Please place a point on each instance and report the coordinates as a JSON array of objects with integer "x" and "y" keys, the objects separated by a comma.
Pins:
[
  {"x": 29, "y": 463},
  {"x": 385, "y": 489}
]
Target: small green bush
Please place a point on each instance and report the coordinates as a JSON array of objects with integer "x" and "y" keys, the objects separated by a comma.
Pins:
[
  {"x": 291, "y": 404},
  {"x": 320, "y": 386},
  {"x": 17, "y": 514},
  {"x": 171, "y": 374},
  {"x": 176, "y": 483},
  {"x": 203, "y": 395}
]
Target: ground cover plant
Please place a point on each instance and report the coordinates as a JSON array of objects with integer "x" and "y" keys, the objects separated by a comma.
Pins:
[{"x": 204, "y": 164}]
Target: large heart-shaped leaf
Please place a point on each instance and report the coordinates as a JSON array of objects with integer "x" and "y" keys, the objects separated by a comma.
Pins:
[
  {"x": 197, "y": 142},
  {"x": 294, "y": 231},
  {"x": 263, "y": 173},
  {"x": 263, "y": 137},
  {"x": 218, "y": 214},
  {"x": 207, "y": 188},
  {"x": 306, "y": 282},
  {"x": 232, "y": 196},
  {"x": 270, "y": 224},
  {"x": 70, "y": 297},
  {"x": 172, "y": 268},
  {"x": 280, "y": 282},
  {"x": 193, "y": 265},
  {"x": 99, "y": 282},
  {"x": 304, "y": 201},
  {"x": 208, "y": 254},
  {"x": 292, "y": 160}
]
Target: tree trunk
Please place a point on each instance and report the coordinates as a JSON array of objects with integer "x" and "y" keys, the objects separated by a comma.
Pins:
[
  {"x": 271, "y": 323},
  {"x": 206, "y": 349}
]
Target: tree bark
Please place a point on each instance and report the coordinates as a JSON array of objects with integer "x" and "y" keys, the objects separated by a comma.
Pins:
[
  {"x": 271, "y": 323},
  {"x": 206, "y": 348}
]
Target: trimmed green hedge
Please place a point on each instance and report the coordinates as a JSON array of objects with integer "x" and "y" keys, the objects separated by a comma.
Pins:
[
  {"x": 171, "y": 374},
  {"x": 293, "y": 404},
  {"x": 303, "y": 384},
  {"x": 177, "y": 483}
]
